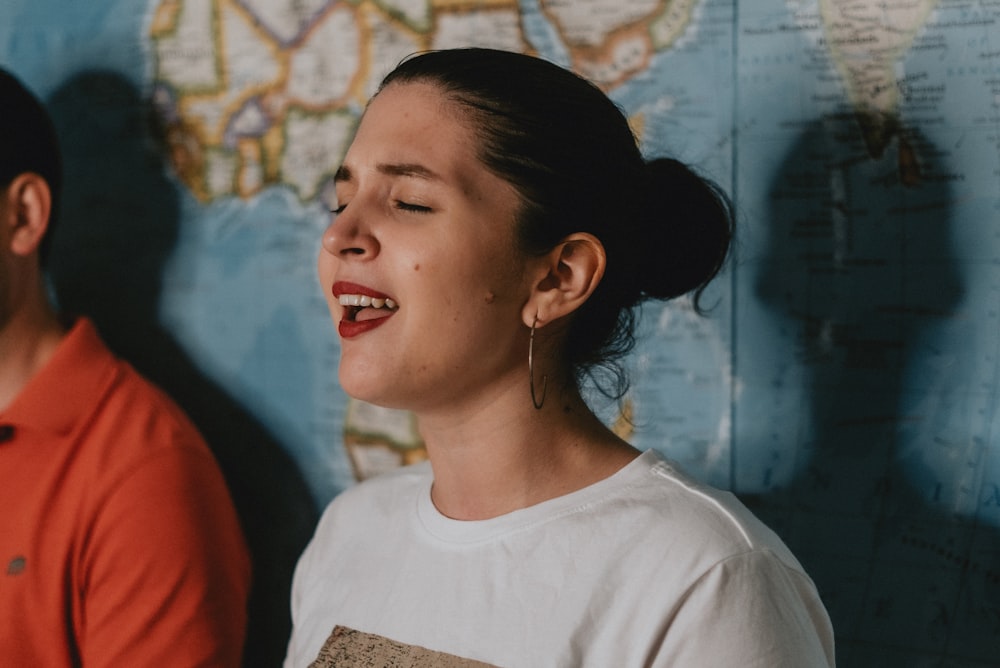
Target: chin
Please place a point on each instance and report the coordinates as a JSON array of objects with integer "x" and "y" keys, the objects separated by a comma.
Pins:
[{"x": 369, "y": 390}]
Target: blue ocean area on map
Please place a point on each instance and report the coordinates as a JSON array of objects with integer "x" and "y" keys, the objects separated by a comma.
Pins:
[{"x": 844, "y": 382}]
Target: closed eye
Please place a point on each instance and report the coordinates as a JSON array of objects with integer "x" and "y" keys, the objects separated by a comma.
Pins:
[
  {"x": 339, "y": 209},
  {"x": 407, "y": 206}
]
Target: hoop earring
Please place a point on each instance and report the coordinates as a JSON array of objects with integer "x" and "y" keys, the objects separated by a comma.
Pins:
[{"x": 531, "y": 369}]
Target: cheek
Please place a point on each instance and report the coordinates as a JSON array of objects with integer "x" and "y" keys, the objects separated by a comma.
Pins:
[
  {"x": 465, "y": 277},
  {"x": 507, "y": 280},
  {"x": 324, "y": 274},
  {"x": 325, "y": 268},
  {"x": 456, "y": 287}
]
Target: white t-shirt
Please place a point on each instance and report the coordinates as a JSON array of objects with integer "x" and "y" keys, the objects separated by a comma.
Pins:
[{"x": 645, "y": 568}]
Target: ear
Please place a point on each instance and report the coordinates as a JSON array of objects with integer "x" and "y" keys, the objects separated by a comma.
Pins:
[
  {"x": 26, "y": 210},
  {"x": 568, "y": 275}
]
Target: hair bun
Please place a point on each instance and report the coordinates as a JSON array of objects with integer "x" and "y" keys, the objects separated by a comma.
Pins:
[{"x": 684, "y": 229}]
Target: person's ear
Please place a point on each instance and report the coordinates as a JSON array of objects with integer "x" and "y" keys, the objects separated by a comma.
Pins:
[
  {"x": 568, "y": 275},
  {"x": 27, "y": 211}
]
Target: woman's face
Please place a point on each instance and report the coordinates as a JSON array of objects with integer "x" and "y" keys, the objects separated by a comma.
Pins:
[{"x": 419, "y": 265}]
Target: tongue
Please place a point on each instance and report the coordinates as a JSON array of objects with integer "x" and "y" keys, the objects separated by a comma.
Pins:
[{"x": 372, "y": 314}]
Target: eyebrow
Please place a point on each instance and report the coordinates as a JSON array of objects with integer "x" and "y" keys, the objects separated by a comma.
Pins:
[{"x": 409, "y": 169}]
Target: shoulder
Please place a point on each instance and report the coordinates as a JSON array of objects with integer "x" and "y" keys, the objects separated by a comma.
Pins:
[
  {"x": 123, "y": 433},
  {"x": 667, "y": 510},
  {"x": 772, "y": 609},
  {"x": 134, "y": 423},
  {"x": 137, "y": 402},
  {"x": 723, "y": 574},
  {"x": 102, "y": 396}
]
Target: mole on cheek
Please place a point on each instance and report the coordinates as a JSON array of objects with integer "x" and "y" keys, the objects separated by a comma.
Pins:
[
  {"x": 490, "y": 297},
  {"x": 416, "y": 267}
]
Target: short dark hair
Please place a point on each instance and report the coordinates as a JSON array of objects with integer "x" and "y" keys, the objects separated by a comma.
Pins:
[
  {"x": 571, "y": 154},
  {"x": 28, "y": 142}
]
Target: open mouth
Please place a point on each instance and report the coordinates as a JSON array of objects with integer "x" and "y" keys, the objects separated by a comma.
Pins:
[{"x": 358, "y": 308}]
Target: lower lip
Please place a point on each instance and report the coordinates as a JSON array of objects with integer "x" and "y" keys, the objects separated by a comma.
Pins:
[{"x": 349, "y": 329}]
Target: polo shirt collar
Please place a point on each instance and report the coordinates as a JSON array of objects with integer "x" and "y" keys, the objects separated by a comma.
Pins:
[{"x": 71, "y": 381}]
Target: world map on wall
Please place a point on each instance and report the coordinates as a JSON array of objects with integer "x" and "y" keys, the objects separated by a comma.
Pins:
[{"x": 845, "y": 382}]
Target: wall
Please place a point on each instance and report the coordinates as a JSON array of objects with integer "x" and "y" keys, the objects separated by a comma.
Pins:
[{"x": 845, "y": 384}]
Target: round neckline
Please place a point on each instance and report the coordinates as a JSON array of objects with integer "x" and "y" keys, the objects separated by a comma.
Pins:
[{"x": 468, "y": 532}]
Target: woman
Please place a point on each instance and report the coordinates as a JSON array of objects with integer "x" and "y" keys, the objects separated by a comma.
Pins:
[{"x": 496, "y": 226}]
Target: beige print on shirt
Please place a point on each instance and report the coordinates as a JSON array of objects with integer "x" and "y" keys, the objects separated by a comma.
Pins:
[{"x": 347, "y": 648}]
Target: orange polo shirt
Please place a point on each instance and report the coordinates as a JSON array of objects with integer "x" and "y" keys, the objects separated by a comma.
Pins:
[{"x": 119, "y": 544}]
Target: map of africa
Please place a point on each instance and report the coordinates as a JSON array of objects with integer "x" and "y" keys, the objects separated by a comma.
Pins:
[{"x": 845, "y": 384}]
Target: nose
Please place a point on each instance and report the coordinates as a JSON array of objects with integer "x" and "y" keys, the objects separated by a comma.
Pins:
[{"x": 346, "y": 237}]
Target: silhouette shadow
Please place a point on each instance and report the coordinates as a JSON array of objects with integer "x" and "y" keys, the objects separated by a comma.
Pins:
[
  {"x": 117, "y": 226},
  {"x": 858, "y": 269}
]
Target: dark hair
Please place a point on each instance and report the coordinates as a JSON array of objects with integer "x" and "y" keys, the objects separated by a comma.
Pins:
[
  {"x": 28, "y": 142},
  {"x": 571, "y": 155}
]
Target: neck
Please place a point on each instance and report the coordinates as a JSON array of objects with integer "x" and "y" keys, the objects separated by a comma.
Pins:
[
  {"x": 509, "y": 455},
  {"x": 28, "y": 338}
]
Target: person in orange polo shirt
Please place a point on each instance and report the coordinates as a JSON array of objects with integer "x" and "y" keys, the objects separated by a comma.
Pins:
[{"x": 119, "y": 543}]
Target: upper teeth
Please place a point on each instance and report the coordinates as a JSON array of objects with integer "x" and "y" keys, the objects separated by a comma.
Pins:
[{"x": 365, "y": 300}]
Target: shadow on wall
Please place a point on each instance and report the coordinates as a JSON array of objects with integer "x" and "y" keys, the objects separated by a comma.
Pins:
[
  {"x": 118, "y": 224},
  {"x": 858, "y": 270}
]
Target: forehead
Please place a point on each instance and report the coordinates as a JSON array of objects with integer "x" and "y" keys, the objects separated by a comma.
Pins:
[
  {"x": 415, "y": 123},
  {"x": 412, "y": 99}
]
